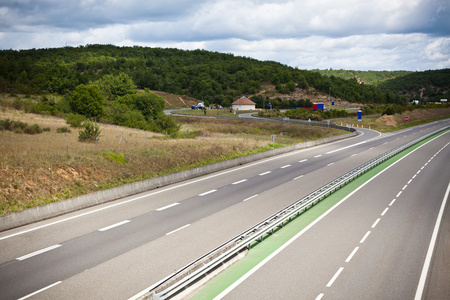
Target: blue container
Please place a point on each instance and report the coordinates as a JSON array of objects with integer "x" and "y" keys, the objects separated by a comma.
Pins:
[
  {"x": 332, "y": 103},
  {"x": 320, "y": 106},
  {"x": 359, "y": 115}
]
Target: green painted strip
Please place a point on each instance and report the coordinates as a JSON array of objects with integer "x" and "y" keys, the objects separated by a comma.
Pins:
[{"x": 259, "y": 251}]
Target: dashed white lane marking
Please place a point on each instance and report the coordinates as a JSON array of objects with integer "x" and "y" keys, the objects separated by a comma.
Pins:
[
  {"x": 392, "y": 202},
  {"x": 298, "y": 177},
  {"x": 320, "y": 296},
  {"x": 364, "y": 237},
  {"x": 265, "y": 173},
  {"x": 385, "y": 211},
  {"x": 240, "y": 181},
  {"x": 404, "y": 187},
  {"x": 41, "y": 290},
  {"x": 208, "y": 192},
  {"x": 114, "y": 225},
  {"x": 178, "y": 229},
  {"x": 351, "y": 254},
  {"x": 398, "y": 195},
  {"x": 317, "y": 156},
  {"x": 336, "y": 275},
  {"x": 376, "y": 222},
  {"x": 250, "y": 197},
  {"x": 286, "y": 166},
  {"x": 353, "y": 154},
  {"x": 303, "y": 160},
  {"x": 168, "y": 206},
  {"x": 410, "y": 181},
  {"x": 330, "y": 164},
  {"x": 38, "y": 252}
]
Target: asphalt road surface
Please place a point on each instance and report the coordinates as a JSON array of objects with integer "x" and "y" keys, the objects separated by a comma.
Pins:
[
  {"x": 114, "y": 250},
  {"x": 372, "y": 245}
]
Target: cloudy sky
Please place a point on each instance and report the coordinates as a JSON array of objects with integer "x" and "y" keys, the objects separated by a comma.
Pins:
[{"x": 308, "y": 34}]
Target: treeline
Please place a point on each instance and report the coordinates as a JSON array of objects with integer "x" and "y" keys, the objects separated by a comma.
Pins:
[
  {"x": 428, "y": 86},
  {"x": 215, "y": 77}
]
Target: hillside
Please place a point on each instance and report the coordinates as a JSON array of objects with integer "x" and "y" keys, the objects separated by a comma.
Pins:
[
  {"x": 214, "y": 77},
  {"x": 428, "y": 86},
  {"x": 366, "y": 77}
]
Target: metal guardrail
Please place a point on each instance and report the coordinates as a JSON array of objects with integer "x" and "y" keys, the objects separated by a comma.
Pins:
[{"x": 257, "y": 232}]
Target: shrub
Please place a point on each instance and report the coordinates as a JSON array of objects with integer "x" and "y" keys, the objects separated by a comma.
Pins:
[
  {"x": 63, "y": 129},
  {"x": 34, "y": 129},
  {"x": 75, "y": 120},
  {"x": 91, "y": 132}
]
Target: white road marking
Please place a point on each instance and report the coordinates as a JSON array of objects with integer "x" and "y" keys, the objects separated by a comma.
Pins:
[
  {"x": 353, "y": 154},
  {"x": 385, "y": 211},
  {"x": 351, "y": 254},
  {"x": 319, "y": 296},
  {"x": 375, "y": 223},
  {"x": 346, "y": 147},
  {"x": 336, "y": 275},
  {"x": 414, "y": 176},
  {"x": 114, "y": 225},
  {"x": 265, "y": 173},
  {"x": 318, "y": 156},
  {"x": 38, "y": 252},
  {"x": 330, "y": 164},
  {"x": 365, "y": 237},
  {"x": 41, "y": 290},
  {"x": 207, "y": 193},
  {"x": 399, "y": 193},
  {"x": 182, "y": 227},
  {"x": 426, "y": 265},
  {"x": 303, "y": 160},
  {"x": 250, "y": 197},
  {"x": 286, "y": 166},
  {"x": 240, "y": 181},
  {"x": 168, "y": 206},
  {"x": 298, "y": 177},
  {"x": 392, "y": 202},
  {"x": 410, "y": 181},
  {"x": 404, "y": 187}
]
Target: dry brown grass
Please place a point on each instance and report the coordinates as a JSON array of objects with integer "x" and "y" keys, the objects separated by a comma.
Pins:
[{"x": 50, "y": 166}]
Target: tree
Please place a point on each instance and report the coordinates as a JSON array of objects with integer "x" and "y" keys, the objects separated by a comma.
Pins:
[
  {"x": 87, "y": 100},
  {"x": 117, "y": 85}
]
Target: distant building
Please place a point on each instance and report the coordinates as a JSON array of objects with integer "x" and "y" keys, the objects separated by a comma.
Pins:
[{"x": 243, "y": 104}]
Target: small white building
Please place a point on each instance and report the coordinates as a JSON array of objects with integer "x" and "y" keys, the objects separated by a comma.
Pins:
[{"x": 243, "y": 103}]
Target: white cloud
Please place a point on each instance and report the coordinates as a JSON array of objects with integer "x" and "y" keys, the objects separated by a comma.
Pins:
[{"x": 349, "y": 34}]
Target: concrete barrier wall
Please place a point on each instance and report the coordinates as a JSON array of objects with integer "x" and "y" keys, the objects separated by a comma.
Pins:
[{"x": 50, "y": 210}]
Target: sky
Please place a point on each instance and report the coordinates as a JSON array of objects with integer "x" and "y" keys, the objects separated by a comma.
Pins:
[{"x": 389, "y": 35}]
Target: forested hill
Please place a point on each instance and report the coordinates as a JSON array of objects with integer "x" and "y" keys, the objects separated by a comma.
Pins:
[
  {"x": 216, "y": 77},
  {"x": 428, "y": 86},
  {"x": 367, "y": 77}
]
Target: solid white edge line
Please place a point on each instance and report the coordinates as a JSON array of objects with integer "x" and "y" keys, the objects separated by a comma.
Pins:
[
  {"x": 250, "y": 197},
  {"x": 351, "y": 254},
  {"x": 375, "y": 223},
  {"x": 38, "y": 252},
  {"x": 364, "y": 237},
  {"x": 114, "y": 225},
  {"x": 336, "y": 275},
  {"x": 178, "y": 229},
  {"x": 267, "y": 259},
  {"x": 167, "y": 206},
  {"x": 41, "y": 290},
  {"x": 208, "y": 192},
  {"x": 426, "y": 265}
]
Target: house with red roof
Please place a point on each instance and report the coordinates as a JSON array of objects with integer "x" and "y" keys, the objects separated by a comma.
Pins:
[{"x": 243, "y": 103}]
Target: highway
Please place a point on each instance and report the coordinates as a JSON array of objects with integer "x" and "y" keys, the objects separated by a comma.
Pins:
[
  {"x": 114, "y": 250},
  {"x": 373, "y": 244}
]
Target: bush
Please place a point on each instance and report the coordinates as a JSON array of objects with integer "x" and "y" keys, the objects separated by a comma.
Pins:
[
  {"x": 63, "y": 130},
  {"x": 91, "y": 132},
  {"x": 75, "y": 120},
  {"x": 34, "y": 129}
]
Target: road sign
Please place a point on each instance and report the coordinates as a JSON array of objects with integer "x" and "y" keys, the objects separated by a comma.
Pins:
[{"x": 406, "y": 119}]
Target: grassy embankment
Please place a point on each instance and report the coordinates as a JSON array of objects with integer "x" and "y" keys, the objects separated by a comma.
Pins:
[{"x": 50, "y": 166}]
